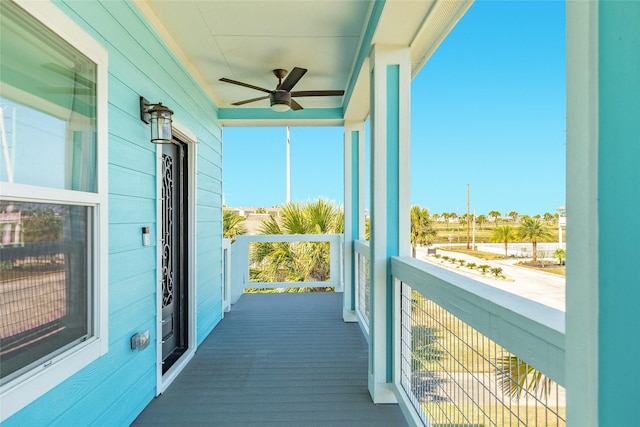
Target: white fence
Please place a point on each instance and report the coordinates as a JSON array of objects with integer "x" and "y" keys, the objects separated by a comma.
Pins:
[
  {"x": 520, "y": 249},
  {"x": 240, "y": 262}
]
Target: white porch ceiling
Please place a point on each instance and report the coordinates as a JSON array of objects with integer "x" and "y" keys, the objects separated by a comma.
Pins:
[{"x": 246, "y": 39}]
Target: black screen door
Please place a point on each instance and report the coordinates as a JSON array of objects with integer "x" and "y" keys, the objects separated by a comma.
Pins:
[{"x": 174, "y": 253}]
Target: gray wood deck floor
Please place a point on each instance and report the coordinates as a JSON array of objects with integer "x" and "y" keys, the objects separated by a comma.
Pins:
[{"x": 276, "y": 360}]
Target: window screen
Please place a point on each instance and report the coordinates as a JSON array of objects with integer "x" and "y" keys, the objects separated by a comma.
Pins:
[{"x": 45, "y": 301}]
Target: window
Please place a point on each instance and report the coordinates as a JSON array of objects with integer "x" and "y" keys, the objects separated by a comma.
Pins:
[
  {"x": 45, "y": 304},
  {"x": 53, "y": 211}
]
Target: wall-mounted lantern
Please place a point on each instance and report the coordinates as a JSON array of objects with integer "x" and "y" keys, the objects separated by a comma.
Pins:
[{"x": 159, "y": 117}]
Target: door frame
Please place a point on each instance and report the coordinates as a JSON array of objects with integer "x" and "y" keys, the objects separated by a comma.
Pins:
[{"x": 186, "y": 136}]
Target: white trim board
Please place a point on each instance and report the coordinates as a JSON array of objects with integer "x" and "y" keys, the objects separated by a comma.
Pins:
[{"x": 187, "y": 136}]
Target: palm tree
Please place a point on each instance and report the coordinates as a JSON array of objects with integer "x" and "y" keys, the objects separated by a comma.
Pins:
[
  {"x": 534, "y": 231},
  {"x": 480, "y": 220},
  {"x": 504, "y": 234},
  {"x": 446, "y": 217},
  {"x": 299, "y": 261},
  {"x": 232, "y": 225},
  {"x": 484, "y": 268},
  {"x": 495, "y": 215},
  {"x": 560, "y": 255},
  {"x": 548, "y": 217},
  {"x": 514, "y": 216},
  {"x": 422, "y": 233},
  {"x": 367, "y": 228}
]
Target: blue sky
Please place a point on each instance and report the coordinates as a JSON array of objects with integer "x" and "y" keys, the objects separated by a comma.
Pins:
[{"x": 487, "y": 110}]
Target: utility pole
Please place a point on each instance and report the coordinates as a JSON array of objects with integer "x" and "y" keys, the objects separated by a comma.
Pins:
[
  {"x": 473, "y": 240},
  {"x": 468, "y": 216},
  {"x": 288, "y": 165}
]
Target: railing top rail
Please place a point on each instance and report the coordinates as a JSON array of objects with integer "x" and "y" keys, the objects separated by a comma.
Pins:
[
  {"x": 287, "y": 238},
  {"x": 530, "y": 330},
  {"x": 226, "y": 243},
  {"x": 361, "y": 246}
]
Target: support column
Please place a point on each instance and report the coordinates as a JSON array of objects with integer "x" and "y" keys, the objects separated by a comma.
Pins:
[
  {"x": 390, "y": 205},
  {"x": 603, "y": 107},
  {"x": 353, "y": 211}
]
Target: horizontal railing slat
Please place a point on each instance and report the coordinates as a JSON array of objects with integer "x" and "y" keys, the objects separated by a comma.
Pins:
[
  {"x": 288, "y": 237},
  {"x": 270, "y": 285}
]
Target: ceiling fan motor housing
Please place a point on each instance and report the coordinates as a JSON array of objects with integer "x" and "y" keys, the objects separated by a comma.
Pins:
[{"x": 280, "y": 100}]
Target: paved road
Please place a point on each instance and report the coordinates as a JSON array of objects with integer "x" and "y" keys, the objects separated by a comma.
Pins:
[{"x": 545, "y": 288}]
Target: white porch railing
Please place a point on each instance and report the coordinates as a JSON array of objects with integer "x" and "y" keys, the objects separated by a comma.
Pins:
[
  {"x": 240, "y": 262},
  {"x": 458, "y": 339},
  {"x": 361, "y": 251}
]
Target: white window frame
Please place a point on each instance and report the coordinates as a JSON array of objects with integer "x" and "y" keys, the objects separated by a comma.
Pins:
[{"x": 20, "y": 392}]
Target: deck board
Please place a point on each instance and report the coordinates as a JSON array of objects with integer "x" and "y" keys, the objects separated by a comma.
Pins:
[{"x": 276, "y": 360}]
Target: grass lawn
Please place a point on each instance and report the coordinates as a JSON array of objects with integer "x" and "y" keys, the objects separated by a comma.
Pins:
[
  {"x": 554, "y": 268},
  {"x": 478, "y": 254},
  {"x": 443, "y": 343},
  {"x": 457, "y": 233}
]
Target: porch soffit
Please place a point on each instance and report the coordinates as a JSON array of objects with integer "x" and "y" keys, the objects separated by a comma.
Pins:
[{"x": 245, "y": 40}]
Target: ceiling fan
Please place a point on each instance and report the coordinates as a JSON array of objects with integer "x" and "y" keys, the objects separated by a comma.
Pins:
[{"x": 281, "y": 97}]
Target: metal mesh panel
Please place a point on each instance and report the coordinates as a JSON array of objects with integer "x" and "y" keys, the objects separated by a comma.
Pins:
[
  {"x": 363, "y": 288},
  {"x": 455, "y": 376},
  {"x": 33, "y": 294}
]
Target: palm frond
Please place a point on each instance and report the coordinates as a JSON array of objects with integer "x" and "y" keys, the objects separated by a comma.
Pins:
[{"x": 516, "y": 377}]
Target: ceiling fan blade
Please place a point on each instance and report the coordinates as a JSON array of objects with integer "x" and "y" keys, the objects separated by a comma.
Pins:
[
  {"x": 246, "y": 101},
  {"x": 295, "y": 106},
  {"x": 235, "y": 82},
  {"x": 318, "y": 93},
  {"x": 292, "y": 78}
]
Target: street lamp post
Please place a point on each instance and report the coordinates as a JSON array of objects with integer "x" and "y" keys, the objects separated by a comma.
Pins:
[{"x": 562, "y": 221}]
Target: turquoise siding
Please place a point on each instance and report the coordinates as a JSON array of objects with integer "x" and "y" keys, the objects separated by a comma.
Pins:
[
  {"x": 114, "y": 389},
  {"x": 619, "y": 203}
]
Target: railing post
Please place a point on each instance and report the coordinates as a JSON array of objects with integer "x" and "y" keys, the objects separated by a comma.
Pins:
[
  {"x": 353, "y": 210},
  {"x": 226, "y": 275},
  {"x": 239, "y": 266}
]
